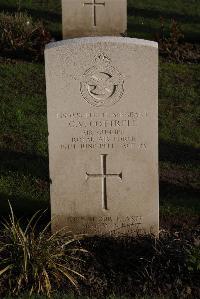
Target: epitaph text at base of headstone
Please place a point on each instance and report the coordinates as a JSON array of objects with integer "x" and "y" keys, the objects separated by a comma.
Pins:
[
  {"x": 94, "y": 18},
  {"x": 102, "y": 97}
]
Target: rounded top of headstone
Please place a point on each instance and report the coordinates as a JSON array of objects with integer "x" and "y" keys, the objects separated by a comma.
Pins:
[{"x": 107, "y": 39}]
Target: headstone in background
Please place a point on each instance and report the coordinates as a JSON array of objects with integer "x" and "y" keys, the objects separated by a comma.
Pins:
[
  {"x": 94, "y": 18},
  {"x": 102, "y": 96}
]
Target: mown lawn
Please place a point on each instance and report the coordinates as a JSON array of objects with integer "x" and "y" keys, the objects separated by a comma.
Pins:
[
  {"x": 179, "y": 136},
  {"x": 24, "y": 178},
  {"x": 23, "y": 137},
  {"x": 144, "y": 17}
]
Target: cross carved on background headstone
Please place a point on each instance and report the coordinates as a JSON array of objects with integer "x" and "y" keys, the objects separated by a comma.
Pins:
[
  {"x": 81, "y": 18},
  {"x": 95, "y": 5}
]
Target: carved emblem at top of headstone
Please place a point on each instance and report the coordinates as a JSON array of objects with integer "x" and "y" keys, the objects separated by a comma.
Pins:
[{"x": 102, "y": 84}]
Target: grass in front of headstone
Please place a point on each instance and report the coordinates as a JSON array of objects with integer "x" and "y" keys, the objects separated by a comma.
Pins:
[
  {"x": 167, "y": 266},
  {"x": 24, "y": 150},
  {"x": 34, "y": 261}
]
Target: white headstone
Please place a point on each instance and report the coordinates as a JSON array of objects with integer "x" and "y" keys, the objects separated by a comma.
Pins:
[
  {"x": 102, "y": 97},
  {"x": 94, "y": 17}
]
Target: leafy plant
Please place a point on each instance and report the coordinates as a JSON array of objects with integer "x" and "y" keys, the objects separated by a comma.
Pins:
[
  {"x": 193, "y": 259},
  {"x": 36, "y": 262},
  {"x": 173, "y": 46},
  {"x": 170, "y": 46},
  {"x": 21, "y": 36}
]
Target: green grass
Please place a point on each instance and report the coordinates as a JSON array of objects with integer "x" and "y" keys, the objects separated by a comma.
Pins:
[
  {"x": 179, "y": 99},
  {"x": 23, "y": 137},
  {"x": 23, "y": 107},
  {"x": 179, "y": 133},
  {"x": 144, "y": 17}
]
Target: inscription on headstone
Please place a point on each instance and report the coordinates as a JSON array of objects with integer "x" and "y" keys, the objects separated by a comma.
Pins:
[
  {"x": 102, "y": 96},
  {"x": 94, "y": 18}
]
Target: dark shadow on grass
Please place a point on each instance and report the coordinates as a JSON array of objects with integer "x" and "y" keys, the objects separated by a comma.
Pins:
[
  {"x": 176, "y": 196},
  {"x": 175, "y": 189},
  {"x": 24, "y": 163},
  {"x": 152, "y": 32},
  {"x": 156, "y": 14},
  {"x": 178, "y": 153},
  {"x": 149, "y": 32},
  {"x": 28, "y": 165},
  {"x": 23, "y": 208},
  {"x": 144, "y": 29},
  {"x": 124, "y": 265}
]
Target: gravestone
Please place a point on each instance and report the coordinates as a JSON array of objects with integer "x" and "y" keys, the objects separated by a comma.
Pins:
[
  {"x": 94, "y": 18},
  {"x": 102, "y": 97}
]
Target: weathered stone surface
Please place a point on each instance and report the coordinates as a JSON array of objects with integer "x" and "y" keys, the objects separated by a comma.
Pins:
[
  {"x": 94, "y": 18},
  {"x": 102, "y": 96}
]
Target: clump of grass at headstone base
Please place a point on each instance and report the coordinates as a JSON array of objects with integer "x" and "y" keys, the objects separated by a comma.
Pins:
[
  {"x": 36, "y": 262},
  {"x": 21, "y": 37}
]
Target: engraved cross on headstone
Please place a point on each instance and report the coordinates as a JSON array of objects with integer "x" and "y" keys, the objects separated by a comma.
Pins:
[
  {"x": 103, "y": 175},
  {"x": 95, "y": 4}
]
